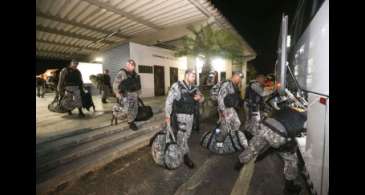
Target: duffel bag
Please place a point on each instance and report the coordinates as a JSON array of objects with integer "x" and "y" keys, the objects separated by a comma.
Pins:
[
  {"x": 144, "y": 112},
  {"x": 165, "y": 151},
  {"x": 232, "y": 142},
  {"x": 57, "y": 104}
]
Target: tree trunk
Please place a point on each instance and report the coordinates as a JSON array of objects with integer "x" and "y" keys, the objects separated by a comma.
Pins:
[{"x": 205, "y": 72}]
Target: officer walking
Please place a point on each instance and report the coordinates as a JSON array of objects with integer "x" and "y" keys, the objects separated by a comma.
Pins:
[
  {"x": 41, "y": 86},
  {"x": 105, "y": 86},
  {"x": 127, "y": 86},
  {"x": 70, "y": 83},
  {"x": 254, "y": 99},
  {"x": 229, "y": 101},
  {"x": 181, "y": 101}
]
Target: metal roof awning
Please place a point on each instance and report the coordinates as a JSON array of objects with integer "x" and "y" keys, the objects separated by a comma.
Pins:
[{"x": 68, "y": 29}]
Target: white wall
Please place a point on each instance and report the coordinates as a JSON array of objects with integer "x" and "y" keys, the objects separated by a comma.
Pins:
[
  {"x": 150, "y": 56},
  {"x": 114, "y": 59}
]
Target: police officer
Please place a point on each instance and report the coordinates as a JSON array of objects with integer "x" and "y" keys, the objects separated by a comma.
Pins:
[
  {"x": 254, "y": 99},
  {"x": 278, "y": 132},
  {"x": 181, "y": 101},
  {"x": 127, "y": 86},
  {"x": 105, "y": 86},
  {"x": 70, "y": 83},
  {"x": 41, "y": 86},
  {"x": 229, "y": 101}
]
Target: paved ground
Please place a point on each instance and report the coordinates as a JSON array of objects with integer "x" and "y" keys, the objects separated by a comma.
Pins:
[
  {"x": 138, "y": 174},
  {"x": 52, "y": 124}
]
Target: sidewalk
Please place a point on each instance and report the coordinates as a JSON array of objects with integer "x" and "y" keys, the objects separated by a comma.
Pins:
[{"x": 50, "y": 124}]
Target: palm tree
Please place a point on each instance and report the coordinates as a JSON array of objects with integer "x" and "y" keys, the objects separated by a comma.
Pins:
[{"x": 208, "y": 43}]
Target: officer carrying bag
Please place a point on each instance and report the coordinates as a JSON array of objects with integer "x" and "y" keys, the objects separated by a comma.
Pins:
[
  {"x": 219, "y": 142},
  {"x": 144, "y": 112},
  {"x": 131, "y": 84},
  {"x": 57, "y": 105},
  {"x": 165, "y": 151}
]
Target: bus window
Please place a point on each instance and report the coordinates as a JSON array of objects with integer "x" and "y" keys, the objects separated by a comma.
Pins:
[{"x": 304, "y": 13}]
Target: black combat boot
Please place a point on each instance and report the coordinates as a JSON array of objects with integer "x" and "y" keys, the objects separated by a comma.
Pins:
[
  {"x": 238, "y": 166},
  {"x": 81, "y": 114},
  {"x": 292, "y": 187},
  {"x": 103, "y": 100},
  {"x": 189, "y": 163},
  {"x": 133, "y": 126}
]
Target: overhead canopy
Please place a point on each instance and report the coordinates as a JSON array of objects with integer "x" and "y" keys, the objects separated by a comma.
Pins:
[{"x": 78, "y": 28}]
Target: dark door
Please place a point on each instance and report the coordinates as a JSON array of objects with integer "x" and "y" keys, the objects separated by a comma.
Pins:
[
  {"x": 173, "y": 75},
  {"x": 159, "y": 77}
]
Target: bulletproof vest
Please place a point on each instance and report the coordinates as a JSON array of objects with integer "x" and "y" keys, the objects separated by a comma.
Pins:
[
  {"x": 292, "y": 120},
  {"x": 251, "y": 96},
  {"x": 233, "y": 99},
  {"x": 186, "y": 104},
  {"x": 73, "y": 77},
  {"x": 132, "y": 83}
]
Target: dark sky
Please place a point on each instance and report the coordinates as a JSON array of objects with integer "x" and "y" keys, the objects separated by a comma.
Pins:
[{"x": 258, "y": 21}]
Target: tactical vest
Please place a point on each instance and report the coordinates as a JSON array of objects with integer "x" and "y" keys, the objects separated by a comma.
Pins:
[
  {"x": 186, "y": 104},
  {"x": 233, "y": 99},
  {"x": 131, "y": 84},
  {"x": 292, "y": 120},
  {"x": 73, "y": 77},
  {"x": 253, "y": 99}
]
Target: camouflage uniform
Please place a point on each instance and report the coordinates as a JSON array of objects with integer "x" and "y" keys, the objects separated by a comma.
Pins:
[
  {"x": 231, "y": 121},
  {"x": 130, "y": 99},
  {"x": 184, "y": 121},
  {"x": 71, "y": 89},
  {"x": 253, "y": 117},
  {"x": 105, "y": 87},
  {"x": 74, "y": 91},
  {"x": 264, "y": 139}
]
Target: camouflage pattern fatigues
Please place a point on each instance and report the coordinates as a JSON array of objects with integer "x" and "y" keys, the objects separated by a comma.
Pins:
[
  {"x": 74, "y": 91},
  {"x": 231, "y": 121},
  {"x": 170, "y": 157},
  {"x": 184, "y": 121},
  {"x": 71, "y": 91},
  {"x": 253, "y": 117},
  {"x": 130, "y": 99},
  {"x": 41, "y": 87},
  {"x": 119, "y": 111},
  {"x": 105, "y": 91},
  {"x": 264, "y": 139}
]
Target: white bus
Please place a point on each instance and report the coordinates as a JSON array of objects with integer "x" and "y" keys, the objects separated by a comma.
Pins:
[{"x": 303, "y": 69}]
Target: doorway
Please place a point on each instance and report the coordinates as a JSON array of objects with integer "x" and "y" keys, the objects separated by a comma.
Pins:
[{"x": 159, "y": 80}]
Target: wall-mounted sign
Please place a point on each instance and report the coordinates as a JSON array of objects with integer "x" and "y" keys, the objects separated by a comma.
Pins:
[{"x": 163, "y": 57}]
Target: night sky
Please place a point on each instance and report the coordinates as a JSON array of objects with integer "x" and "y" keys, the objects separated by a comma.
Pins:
[{"x": 258, "y": 21}]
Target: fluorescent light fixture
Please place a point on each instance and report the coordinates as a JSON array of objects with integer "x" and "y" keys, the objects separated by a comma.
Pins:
[{"x": 98, "y": 59}]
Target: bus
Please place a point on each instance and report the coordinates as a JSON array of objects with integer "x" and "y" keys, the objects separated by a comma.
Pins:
[{"x": 302, "y": 68}]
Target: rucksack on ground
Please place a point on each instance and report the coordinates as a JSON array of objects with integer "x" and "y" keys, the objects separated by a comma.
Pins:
[{"x": 233, "y": 141}]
